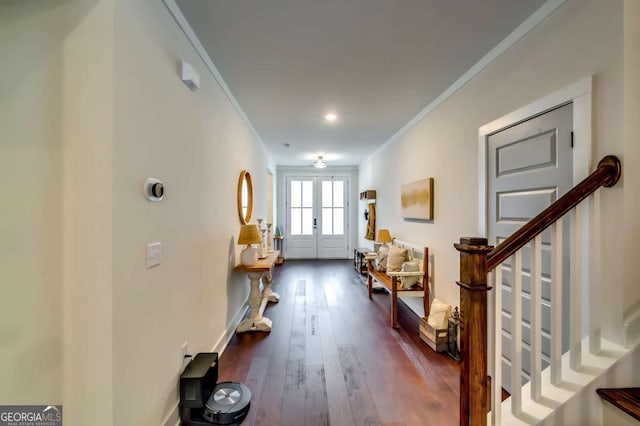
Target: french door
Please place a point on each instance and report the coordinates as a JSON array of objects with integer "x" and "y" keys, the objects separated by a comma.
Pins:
[{"x": 316, "y": 218}]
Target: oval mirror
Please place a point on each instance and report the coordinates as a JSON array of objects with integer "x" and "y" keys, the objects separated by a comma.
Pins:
[{"x": 245, "y": 197}]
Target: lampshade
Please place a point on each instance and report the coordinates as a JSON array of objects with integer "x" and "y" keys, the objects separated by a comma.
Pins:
[
  {"x": 384, "y": 236},
  {"x": 249, "y": 235}
]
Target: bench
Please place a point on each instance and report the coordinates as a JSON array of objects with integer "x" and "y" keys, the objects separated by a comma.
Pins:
[{"x": 391, "y": 280}]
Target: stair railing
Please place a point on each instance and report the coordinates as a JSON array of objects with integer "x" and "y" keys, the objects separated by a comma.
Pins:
[{"x": 477, "y": 259}]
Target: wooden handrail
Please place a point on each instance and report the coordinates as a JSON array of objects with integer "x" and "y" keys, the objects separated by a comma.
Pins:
[
  {"x": 477, "y": 258},
  {"x": 607, "y": 174}
]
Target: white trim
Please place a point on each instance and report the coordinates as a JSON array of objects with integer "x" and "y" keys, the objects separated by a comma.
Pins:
[
  {"x": 202, "y": 52},
  {"x": 223, "y": 341},
  {"x": 523, "y": 29},
  {"x": 579, "y": 93}
]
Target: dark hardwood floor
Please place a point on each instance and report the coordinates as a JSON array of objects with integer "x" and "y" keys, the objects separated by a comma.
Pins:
[{"x": 333, "y": 359}]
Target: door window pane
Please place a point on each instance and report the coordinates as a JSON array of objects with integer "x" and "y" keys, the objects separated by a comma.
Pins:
[
  {"x": 307, "y": 193},
  {"x": 296, "y": 192},
  {"x": 307, "y": 221},
  {"x": 327, "y": 199},
  {"x": 296, "y": 224},
  {"x": 327, "y": 221},
  {"x": 338, "y": 221},
  {"x": 338, "y": 193}
]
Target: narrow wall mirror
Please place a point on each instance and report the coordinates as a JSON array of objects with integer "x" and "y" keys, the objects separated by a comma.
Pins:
[{"x": 245, "y": 197}]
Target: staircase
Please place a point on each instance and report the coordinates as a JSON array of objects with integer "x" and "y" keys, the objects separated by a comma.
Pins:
[
  {"x": 567, "y": 357},
  {"x": 624, "y": 408}
]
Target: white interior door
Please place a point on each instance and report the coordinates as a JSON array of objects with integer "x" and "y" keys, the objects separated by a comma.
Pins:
[
  {"x": 317, "y": 217},
  {"x": 530, "y": 165}
]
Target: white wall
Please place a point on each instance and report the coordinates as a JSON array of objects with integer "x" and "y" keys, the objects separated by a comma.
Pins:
[
  {"x": 582, "y": 38},
  {"x": 631, "y": 173},
  {"x": 30, "y": 189},
  {"x": 88, "y": 119},
  {"x": 56, "y": 119},
  {"x": 91, "y": 104},
  {"x": 197, "y": 144}
]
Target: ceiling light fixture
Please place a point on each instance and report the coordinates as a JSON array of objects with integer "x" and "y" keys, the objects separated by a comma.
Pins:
[
  {"x": 331, "y": 117},
  {"x": 320, "y": 163}
]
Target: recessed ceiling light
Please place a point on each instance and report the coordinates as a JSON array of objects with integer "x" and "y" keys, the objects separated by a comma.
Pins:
[{"x": 331, "y": 117}]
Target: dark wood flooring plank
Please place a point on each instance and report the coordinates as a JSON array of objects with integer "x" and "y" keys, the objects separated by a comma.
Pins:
[
  {"x": 313, "y": 339},
  {"x": 293, "y": 403},
  {"x": 362, "y": 406},
  {"x": 255, "y": 380},
  {"x": 269, "y": 408},
  {"x": 340, "y": 413},
  {"x": 316, "y": 404}
]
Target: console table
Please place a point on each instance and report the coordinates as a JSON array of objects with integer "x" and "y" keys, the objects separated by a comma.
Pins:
[{"x": 258, "y": 301}]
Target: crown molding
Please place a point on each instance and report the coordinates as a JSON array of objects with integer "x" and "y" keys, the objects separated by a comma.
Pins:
[
  {"x": 184, "y": 25},
  {"x": 523, "y": 29}
]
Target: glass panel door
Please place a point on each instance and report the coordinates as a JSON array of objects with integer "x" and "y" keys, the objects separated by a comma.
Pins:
[{"x": 301, "y": 223}]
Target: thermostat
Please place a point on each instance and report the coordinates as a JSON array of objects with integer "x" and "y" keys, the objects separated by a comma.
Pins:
[{"x": 153, "y": 189}]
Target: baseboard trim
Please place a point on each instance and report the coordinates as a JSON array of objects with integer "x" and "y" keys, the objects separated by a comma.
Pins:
[
  {"x": 223, "y": 341},
  {"x": 173, "y": 418}
]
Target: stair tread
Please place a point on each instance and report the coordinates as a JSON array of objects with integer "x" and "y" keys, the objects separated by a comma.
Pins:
[{"x": 626, "y": 399}]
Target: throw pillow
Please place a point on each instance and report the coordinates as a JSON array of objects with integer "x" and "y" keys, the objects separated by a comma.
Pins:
[
  {"x": 439, "y": 314},
  {"x": 397, "y": 256},
  {"x": 381, "y": 260},
  {"x": 411, "y": 266}
]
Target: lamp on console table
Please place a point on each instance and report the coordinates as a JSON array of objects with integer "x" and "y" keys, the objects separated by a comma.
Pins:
[{"x": 249, "y": 235}]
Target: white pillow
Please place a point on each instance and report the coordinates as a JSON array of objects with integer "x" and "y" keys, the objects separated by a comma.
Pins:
[
  {"x": 381, "y": 260},
  {"x": 397, "y": 256},
  {"x": 412, "y": 266},
  {"x": 439, "y": 314}
]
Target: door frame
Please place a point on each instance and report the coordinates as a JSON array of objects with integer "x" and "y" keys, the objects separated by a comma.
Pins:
[
  {"x": 579, "y": 93},
  {"x": 350, "y": 173}
]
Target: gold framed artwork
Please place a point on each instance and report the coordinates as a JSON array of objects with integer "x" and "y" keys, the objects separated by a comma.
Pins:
[{"x": 417, "y": 200}]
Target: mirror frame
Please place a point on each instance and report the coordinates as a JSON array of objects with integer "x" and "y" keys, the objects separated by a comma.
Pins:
[{"x": 245, "y": 176}]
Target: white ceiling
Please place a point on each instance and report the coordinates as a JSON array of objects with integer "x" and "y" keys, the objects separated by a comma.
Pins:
[{"x": 375, "y": 63}]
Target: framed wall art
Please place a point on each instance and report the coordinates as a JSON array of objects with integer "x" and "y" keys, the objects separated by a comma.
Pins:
[{"x": 417, "y": 200}]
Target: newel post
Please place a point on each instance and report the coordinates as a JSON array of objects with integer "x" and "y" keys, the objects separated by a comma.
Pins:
[{"x": 474, "y": 398}]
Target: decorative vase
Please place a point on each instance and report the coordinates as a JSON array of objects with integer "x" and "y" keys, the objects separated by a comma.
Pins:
[
  {"x": 249, "y": 256},
  {"x": 269, "y": 237}
]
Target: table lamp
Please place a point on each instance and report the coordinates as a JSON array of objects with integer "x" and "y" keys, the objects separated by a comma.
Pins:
[
  {"x": 249, "y": 235},
  {"x": 384, "y": 236}
]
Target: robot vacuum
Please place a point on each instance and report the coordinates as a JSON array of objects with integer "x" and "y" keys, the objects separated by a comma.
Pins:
[{"x": 228, "y": 404}]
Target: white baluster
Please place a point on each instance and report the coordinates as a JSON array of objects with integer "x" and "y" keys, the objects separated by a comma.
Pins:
[
  {"x": 575, "y": 300},
  {"x": 556, "y": 302},
  {"x": 516, "y": 335},
  {"x": 536, "y": 318},
  {"x": 496, "y": 398},
  {"x": 595, "y": 277}
]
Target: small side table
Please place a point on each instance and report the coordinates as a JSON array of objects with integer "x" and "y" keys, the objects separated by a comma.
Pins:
[
  {"x": 359, "y": 259},
  {"x": 258, "y": 301}
]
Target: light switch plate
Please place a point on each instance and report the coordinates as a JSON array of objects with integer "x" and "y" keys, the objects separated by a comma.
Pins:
[{"x": 154, "y": 254}]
